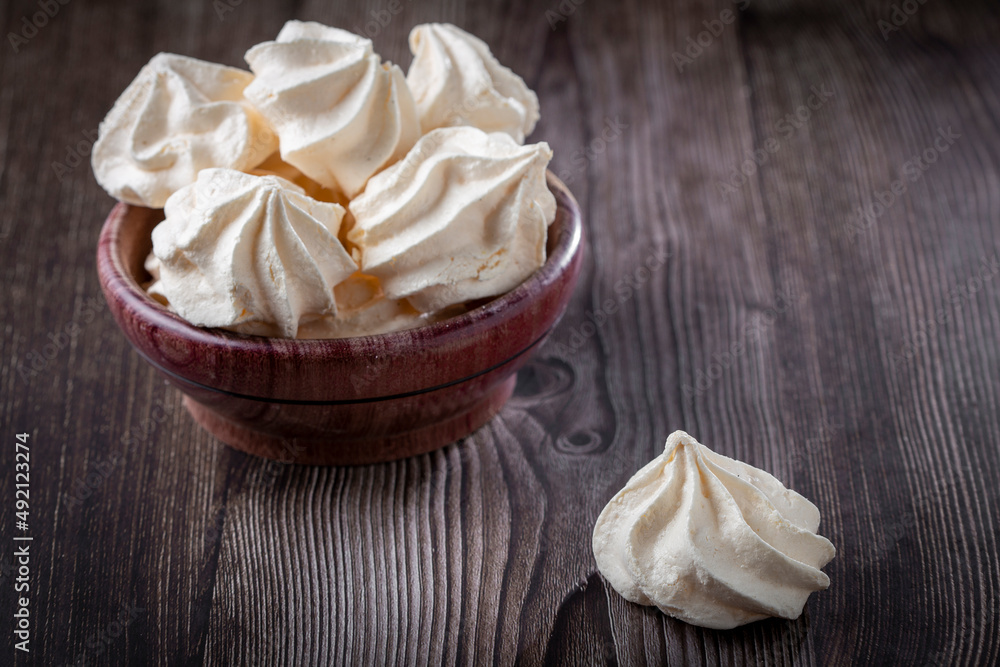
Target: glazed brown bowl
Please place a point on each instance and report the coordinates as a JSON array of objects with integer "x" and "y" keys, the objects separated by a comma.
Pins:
[{"x": 347, "y": 400}]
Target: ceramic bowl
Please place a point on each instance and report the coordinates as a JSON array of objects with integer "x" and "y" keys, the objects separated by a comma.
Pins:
[{"x": 349, "y": 400}]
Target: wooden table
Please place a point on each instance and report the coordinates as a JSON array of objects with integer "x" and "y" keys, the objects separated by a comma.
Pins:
[{"x": 824, "y": 191}]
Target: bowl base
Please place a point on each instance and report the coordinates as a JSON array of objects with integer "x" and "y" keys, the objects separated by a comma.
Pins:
[{"x": 340, "y": 451}]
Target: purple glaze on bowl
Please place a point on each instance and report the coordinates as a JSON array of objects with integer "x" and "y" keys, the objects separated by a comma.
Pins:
[{"x": 348, "y": 400}]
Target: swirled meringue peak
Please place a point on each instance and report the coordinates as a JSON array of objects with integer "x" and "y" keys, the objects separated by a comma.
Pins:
[
  {"x": 456, "y": 80},
  {"x": 341, "y": 113},
  {"x": 710, "y": 540},
  {"x": 463, "y": 216},
  {"x": 252, "y": 254},
  {"x": 180, "y": 115}
]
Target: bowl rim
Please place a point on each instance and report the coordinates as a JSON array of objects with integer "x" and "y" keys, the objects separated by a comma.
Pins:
[{"x": 118, "y": 283}]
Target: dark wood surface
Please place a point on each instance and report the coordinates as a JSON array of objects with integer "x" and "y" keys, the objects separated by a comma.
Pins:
[{"x": 854, "y": 358}]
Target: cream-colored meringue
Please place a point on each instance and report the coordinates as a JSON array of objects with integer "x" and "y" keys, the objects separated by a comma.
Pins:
[
  {"x": 456, "y": 80},
  {"x": 381, "y": 316},
  {"x": 251, "y": 254},
  {"x": 362, "y": 310},
  {"x": 275, "y": 166},
  {"x": 152, "y": 266},
  {"x": 710, "y": 540},
  {"x": 152, "y": 287},
  {"x": 463, "y": 216},
  {"x": 179, "y": 116},
  {"x": 341, "y": 113}
]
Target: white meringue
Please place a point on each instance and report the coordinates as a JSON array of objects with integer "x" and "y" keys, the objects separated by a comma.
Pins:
[
  {"x": 275, "y": 166},
  {"x": 456, "y": 80},
  {"x": 363, "y": 310},
  {"x": 342, "y": 115},
  {"x": 710, "y": 540},
  {"x": 178, "y": 116},
  {"x": 252, "y": 254},
  {"x": 463, "y": 216}
]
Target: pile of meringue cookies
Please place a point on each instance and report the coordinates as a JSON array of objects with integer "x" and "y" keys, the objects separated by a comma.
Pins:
[{"x": 325, "y": 195}]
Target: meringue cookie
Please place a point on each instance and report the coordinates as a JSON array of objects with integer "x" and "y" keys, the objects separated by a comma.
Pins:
[
  {"x": 710, "y": 540},
  {"x": 252, "y": 254},
  {"x": 463, "y": 216},
  {"x": 456, "y": 80},
  {"x": 179, "y": 116},
  {"x": 341, "y": 114},
  {"x": 363, "y": 310},
  {"x": 275, "y": 166},
  {"x": 152, "y": 266}
]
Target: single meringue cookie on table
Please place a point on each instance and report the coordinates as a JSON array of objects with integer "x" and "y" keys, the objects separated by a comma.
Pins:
[
  {"x": 456, "y": 80},
  {"x": 463, "y": 216},
  {"x": 710, "y": 540},
  {"x": 341, "y": 113},
  {"x": 178, "y": 116},
  {"x": 252, "y": 254}
]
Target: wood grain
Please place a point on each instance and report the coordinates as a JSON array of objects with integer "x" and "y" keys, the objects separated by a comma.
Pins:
[{"x": 855, "y": 358}]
